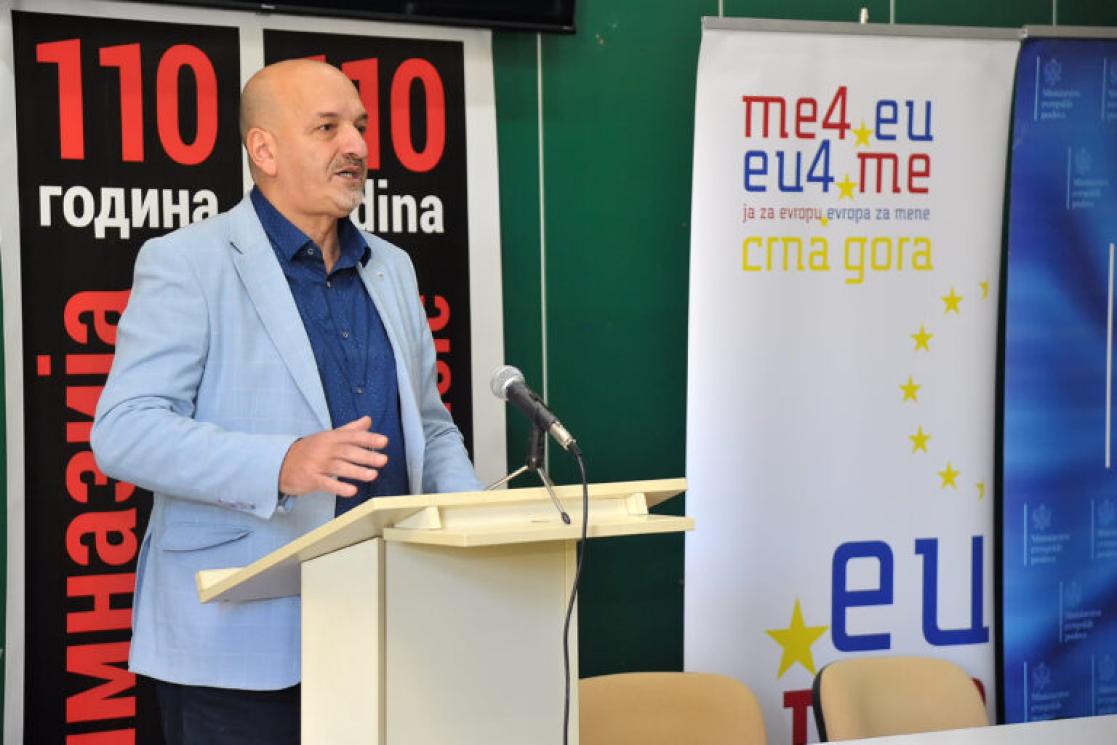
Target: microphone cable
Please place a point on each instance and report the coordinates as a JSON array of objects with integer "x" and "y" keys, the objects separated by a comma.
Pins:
[{"x": 577, "y": 453}]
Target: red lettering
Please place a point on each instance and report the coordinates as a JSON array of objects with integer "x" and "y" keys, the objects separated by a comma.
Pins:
[
  {"x": 414, "y": 69},
  {"x": 100, "y": 702},
  {"x": 114, "y": 537},
  {"x": 100, "y": 304},
  {"x": 71, "y": 125},
  {"x": 83, "y": 399},
  {"x": 766, "y": 103},
  {"x": 443, "y": 377},
  {"x": 806, "y": 112},
  {"x": 437, "y": 323},
  {"x": 886, "y": 175},
  {"x": 82, "y": 463},
  {"x": 101, "y": 588},
  {"x": 126, "y": 57},
  {"x": 837, "y": 107},
  {"x": 88, "y": 364},
  {"x": 919, "y": 166},
  {"x": 880, "y": 159},
  {"x": 115, "y": 737},
  {"x": 440, "y": 321},
  {"x": 166, "y": 90},
  {"x": 800, "y": 704}
]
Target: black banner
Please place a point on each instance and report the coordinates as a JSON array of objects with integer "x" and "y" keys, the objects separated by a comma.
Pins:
[
  {"x": 415, "y": 196},
  {"x": 125, "y": 130}
]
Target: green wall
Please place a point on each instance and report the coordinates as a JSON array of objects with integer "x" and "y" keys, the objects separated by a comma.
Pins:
[{"x": 595, "y": 214}]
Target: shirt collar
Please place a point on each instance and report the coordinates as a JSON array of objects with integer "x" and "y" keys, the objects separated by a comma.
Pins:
[
  {"x": 288, "y": 240},
  {"x": 354, "y": 249}
]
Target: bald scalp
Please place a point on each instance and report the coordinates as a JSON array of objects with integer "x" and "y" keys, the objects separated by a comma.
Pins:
[{"x": 267, "y": 93}]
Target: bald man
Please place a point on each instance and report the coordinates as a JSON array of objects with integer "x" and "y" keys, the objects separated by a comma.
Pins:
[{"x": 274, "y": 368}]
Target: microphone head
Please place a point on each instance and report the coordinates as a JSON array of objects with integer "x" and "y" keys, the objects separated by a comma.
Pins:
[{"x": 502, "y": 377}]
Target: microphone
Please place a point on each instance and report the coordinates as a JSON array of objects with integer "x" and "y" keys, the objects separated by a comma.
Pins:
[{"x": 508, "y": 384}]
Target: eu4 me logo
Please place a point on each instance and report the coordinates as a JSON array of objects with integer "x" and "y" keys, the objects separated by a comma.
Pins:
[{"x": 845, "y": 598}]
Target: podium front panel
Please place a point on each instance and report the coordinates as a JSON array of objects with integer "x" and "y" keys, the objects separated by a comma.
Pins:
[
  {"x": 342, "y": 647},
  {"x": 473, "y": 650}
]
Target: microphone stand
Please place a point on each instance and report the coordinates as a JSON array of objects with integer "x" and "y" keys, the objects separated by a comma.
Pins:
[{"x": 536, "y": 439}]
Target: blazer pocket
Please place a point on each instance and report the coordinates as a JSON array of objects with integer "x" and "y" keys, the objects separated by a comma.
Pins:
[{"x": 197, "y": 536}]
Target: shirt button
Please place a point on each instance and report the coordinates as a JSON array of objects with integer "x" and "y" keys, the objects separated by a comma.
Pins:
[
  {"x": 328, "y": 283},
  {"x": 344, "y": 334},
  {"x": 358, "y": 390},
  {"x": 310, "y": 251}
]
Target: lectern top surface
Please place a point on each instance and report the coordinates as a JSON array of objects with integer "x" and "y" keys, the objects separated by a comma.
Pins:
[{"x": 280, "y": 568}]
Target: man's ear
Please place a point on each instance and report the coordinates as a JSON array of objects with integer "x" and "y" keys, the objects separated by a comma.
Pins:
[{"x": 261, "y": 147}]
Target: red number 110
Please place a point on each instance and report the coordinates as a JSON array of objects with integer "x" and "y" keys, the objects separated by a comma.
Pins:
[
  {"x": 126, "y": 59},
  {"x": 363, "y": 72}
]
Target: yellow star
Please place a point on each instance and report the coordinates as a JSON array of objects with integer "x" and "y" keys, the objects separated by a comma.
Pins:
[
  {"x": 862, "y": 134},
  {"x": 981, "y": 490},
  {"x": 922, "y": 339},
  {"x": 845, "y": 188},
  {"x": 824, "y": 221},
  {"x": 948, "y": 476},
  {"x": 919, "y": 440},
  {"x": 984, "y": 290},
  {"x": 952, "y": 301},
  {"x": 910, "y": 390},
  {"x": 796, "y": 641}
]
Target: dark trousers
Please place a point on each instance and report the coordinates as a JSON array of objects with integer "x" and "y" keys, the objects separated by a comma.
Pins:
[{"x": 197, "y": 715}]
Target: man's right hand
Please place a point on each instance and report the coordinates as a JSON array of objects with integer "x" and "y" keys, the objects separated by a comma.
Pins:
[{"x": 318, "y": 462}]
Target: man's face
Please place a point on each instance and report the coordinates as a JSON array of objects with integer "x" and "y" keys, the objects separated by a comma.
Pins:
[{"x": 321, "y": 152}]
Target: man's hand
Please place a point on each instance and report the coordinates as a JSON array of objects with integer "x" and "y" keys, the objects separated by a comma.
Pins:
[{"x": 317, "y": 462}]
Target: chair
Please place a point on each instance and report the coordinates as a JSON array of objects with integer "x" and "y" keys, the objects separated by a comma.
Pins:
[
  {"x": 876, "y": 696},
  {"x": 668, "y": 709}
]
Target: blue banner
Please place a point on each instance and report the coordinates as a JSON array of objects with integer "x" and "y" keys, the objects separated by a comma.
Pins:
[{"x": 1059, "y": 630}]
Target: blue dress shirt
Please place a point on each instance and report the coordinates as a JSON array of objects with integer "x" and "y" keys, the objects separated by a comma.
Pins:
[{"x": 355, "y": 358}]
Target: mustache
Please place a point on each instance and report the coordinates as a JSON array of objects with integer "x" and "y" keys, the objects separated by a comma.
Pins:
[{"x": 347, "y": 161}]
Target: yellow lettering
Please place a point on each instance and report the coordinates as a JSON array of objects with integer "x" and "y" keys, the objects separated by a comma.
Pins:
[
  {"x": 819, "y": 257},
  {"x": 855, "y": 263},
  {"x": 921, "y": 259},
  {"x": 745, "y": 265}
]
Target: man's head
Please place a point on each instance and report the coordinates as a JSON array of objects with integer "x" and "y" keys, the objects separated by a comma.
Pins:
[{"x": 302, "y": 124}]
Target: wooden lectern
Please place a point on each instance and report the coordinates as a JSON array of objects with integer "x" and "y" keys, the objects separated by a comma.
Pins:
[{"x": 437, "y": 619}]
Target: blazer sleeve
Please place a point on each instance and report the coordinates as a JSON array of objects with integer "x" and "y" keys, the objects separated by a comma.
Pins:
[
  {"x": 144, "y": 431},
  {"x": 446, "y": 464}
]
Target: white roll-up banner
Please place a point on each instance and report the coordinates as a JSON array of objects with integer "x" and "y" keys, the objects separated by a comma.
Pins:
[{"x": 845, "y": 253}]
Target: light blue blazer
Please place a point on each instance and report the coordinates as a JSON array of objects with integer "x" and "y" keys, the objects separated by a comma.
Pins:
[{"x": 214, "y": 378}]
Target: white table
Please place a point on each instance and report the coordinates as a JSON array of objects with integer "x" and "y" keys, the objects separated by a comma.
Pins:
[{"x": 1085, "y": 730}]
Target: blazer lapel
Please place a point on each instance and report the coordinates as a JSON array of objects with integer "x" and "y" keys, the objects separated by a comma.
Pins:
[
  {"x": 269, "y": 292},
  {"x": 375, "y": 276}
]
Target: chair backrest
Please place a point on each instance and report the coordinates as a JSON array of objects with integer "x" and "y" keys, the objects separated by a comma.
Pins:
[
  {"x": 876, "y": 696},
  {"x": 668, "y": 709}
]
